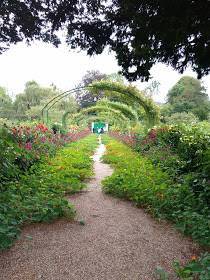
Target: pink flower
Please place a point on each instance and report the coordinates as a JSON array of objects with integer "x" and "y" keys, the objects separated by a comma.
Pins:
[
  {"x": 43, "y": 139},
  {"x": 28, "y": 146}
]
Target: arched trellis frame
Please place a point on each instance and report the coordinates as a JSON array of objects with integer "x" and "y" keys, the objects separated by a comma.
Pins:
[
  {"x": 104, "y": 117},
  {"x": 93, "y": 109},
  {"x": 124, "y": 108},
  {"x": 150, "y": 108},
  {"x": 56, "y": 99},
  {"x": 132, "y": 93}
]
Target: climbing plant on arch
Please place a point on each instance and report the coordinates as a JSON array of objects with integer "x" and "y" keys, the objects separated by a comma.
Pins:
[
  {"x": 126, "y": 110},
  {"x": 93, "y": 109},
  {"x": 129, "y": 92},
  {"x": 132, "y": 93}
]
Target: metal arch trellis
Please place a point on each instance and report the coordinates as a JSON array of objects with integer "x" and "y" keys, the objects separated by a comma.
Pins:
[
  {"x": 56, "y": 99},
  {"x": 90, "y": 109},
  {"x": 149, "y": 108}
]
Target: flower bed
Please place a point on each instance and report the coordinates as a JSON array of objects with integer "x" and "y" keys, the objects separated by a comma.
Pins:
[{"x": 22, "y": 147}]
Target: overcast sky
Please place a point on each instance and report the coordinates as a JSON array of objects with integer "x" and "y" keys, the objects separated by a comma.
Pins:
[{"x": 64, "y": 68}]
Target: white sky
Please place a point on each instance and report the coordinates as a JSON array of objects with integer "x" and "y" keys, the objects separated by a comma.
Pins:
[{"x": 64, "y": 68}]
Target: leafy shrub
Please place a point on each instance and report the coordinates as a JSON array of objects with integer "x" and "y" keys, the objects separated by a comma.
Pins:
[
  {"x": 196, "y": 268},
  {"x": 184, "y": 153},
  {"x": 182, "y": 118},
  {"x": 137, "y": 178},
  {"x": 38, "y": 194},
  {"x": 8, "y": 154}
]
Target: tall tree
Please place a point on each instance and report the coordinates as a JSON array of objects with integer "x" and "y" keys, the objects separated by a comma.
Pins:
[
  {"x": 188, "y": 95},
  {"x": 4, "y": 97},
  {"x": 84, "y": 97},
  {"x": 141, "y": 32},
  {"x": 33, "y": 96},
  {"x": 6, "y": 110}
]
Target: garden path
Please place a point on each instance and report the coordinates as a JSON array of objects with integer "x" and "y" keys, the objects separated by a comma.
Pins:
[{"x": 111, "y": 239}]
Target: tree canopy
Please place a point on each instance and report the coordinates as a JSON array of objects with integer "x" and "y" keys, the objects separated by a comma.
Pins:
[
  {"x": 33, "y": 95},
  {"x": 188, "y": 95},
  {"x": 5, "y": 104},
  {"x": 28, "y": 104},
  {"x": 140, "y": 32},
  {"x": 84, "y": 97}
]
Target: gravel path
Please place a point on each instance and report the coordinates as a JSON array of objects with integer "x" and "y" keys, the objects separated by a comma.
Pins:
[{"x": 117, "y": 241}]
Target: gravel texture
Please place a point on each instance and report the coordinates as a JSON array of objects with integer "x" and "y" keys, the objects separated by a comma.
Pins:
[{"x": 110, "y": 239}]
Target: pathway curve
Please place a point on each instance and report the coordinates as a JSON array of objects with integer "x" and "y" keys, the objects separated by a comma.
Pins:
[{"x": 117, "y": 241}]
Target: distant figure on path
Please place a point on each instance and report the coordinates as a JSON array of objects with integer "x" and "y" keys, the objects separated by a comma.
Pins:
[{"x": 102, "y": 130}]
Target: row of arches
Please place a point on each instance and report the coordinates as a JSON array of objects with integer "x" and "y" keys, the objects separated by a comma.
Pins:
[{"x": 121, "y": 102}]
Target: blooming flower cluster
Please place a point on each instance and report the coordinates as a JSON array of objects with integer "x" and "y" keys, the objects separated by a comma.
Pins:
[
  {"x": 38, "y": 141},
  {"x": 33, "y": 138}
]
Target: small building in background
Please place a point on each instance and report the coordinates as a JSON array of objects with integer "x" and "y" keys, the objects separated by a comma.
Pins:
[{"x": 99, "y": 127}]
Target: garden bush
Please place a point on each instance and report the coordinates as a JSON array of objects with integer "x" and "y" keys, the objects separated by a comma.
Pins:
[
  {"x": 184, "y": 152},
  {"x": 37, "y": 194},
  {"x": 156, "y": 188}
]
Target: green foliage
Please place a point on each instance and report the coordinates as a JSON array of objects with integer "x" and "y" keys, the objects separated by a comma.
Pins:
[
  {"x": 94, "y": 110},
  {"x": 190, "y": 143},
  {"x": 28, "y": 105},
  {"x": 56, "y": 127},
  {"x": 5, "y": 104},
  {"x": 141, "y": 33},
  {"x": 135, "y": 178},
  {"x": 132, "y": 94},
  {"x": 183, "y": 152},
  {"x": 5, "y": 123},
  {"x": 23, "y": 146},
  {"x": 197, "y": 268},
  {"x": 166, "y": 184},
  {"x": 33, "y": 96},
  {"x": 126, "y": 110},
  {"x": 38, "y": 195},
  {"x": 8, "y": 155},
  {"x": 182, "y": 118},
  {"x": 188, "y": 95},
  {"x": 84, "y": 97},
  {"x": 161, "y": 274}
]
